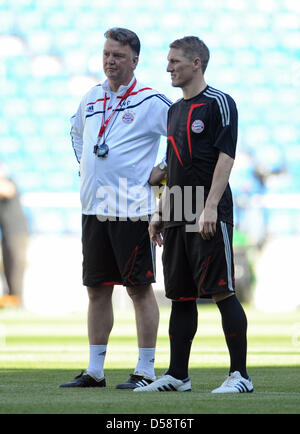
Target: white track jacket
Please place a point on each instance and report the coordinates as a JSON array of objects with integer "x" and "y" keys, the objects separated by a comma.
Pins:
[{"x": 118, "y": 185}]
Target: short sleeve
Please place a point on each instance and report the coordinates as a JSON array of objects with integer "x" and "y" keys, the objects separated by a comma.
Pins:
[
  {"x": 159, "y": 114},
  {"x": 225, "y": 125}
]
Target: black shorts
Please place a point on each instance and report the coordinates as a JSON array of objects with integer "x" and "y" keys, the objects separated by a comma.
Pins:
[
  {"x": 196, "y": 268},
  {"x": 117, "y": 253}
]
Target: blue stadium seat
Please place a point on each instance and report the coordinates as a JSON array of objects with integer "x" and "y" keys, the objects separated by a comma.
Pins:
[{"x": 254, "y": 57}]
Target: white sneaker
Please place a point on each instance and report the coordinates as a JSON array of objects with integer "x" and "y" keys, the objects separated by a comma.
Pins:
[
  {"x": 235, "y": 383},
  {"x": 167, "y": 383}
]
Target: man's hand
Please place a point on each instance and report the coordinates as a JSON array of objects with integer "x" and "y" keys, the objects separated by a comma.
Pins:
[
  {"x": 156, "y": 229},
  {"x": 208, "y": 223},
  {"x": 157, "y": 175}
]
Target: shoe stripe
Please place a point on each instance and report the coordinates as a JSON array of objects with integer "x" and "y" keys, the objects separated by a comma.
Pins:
[
  {"x": 162, "y": 386},
  {"x": 142, "y": 383},
  {"x": 247, "y": 388},
  {"x": 172, "y": 387},
  {"x": 241, "y": 386},
  {"x": 167, "y": 388}
]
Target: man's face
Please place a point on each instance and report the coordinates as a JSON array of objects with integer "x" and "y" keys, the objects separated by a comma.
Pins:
[
  {"x": 181, "y": 68},
  {"x": 119, "y": 62}
]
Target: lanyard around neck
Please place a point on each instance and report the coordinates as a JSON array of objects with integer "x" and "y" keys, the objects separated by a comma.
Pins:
[{"x": 105, "y": 123}]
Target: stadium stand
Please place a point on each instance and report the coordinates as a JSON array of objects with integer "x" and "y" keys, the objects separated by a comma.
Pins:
[{"x": 50, "y": 53}]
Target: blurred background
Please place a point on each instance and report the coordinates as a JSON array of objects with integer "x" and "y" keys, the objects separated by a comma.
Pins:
[{"x": 51, "y": 55}]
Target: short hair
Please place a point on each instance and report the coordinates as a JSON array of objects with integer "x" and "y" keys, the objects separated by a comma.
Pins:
[
  {"x": 124, "y": 37},
  {"x": 193, "y": 47}
]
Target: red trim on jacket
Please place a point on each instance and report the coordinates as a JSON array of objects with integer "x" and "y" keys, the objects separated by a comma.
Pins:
[
  {"x": 171, "y": 138},
  {"x": 188, "y": 130}
]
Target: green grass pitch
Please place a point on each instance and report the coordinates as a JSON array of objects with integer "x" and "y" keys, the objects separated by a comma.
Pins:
[{"x": 39, "y": 353}]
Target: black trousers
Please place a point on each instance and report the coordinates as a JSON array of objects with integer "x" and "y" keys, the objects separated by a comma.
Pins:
[
  {"x": 14, "y": 250},
  {"x": 14, "y": 241}
]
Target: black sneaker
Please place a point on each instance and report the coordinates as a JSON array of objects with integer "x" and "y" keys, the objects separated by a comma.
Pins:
[
  {"x": 135, "y": 380},
  {"x": 85, "y": 380}
]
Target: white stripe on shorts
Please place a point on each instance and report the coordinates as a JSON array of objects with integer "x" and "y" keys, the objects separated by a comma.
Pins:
[{"x": 228, "y": 255}]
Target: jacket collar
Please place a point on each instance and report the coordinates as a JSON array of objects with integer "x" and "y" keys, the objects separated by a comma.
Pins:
[{"x": 122, "y": 89}]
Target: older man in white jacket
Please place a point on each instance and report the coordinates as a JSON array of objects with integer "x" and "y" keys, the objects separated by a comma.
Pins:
[{"x": 116, "y": 134}]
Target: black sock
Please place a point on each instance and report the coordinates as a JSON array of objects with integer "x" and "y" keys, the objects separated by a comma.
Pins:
[
  {"x": 234, "y": 324},
  {"x": 182, "y": 328}
]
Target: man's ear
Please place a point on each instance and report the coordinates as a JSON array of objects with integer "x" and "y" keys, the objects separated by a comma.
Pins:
[
  {"x": 197, "y": 63},
  {"x": 135, "y": 61}
]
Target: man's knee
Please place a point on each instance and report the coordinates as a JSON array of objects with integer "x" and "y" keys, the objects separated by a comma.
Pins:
[
  {"x": 142, "y": 296},
  {"x": 219, "y": 297},
  {"x": 139, "y": 291},
  {"x": 99, "y": 293}
]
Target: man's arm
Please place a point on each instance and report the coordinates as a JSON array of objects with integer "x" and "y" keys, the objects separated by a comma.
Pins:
[
  {"x": 156, "y": 224},
  {"x": 208, "y": 218},
  {"x": 77, "y": 126}
]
